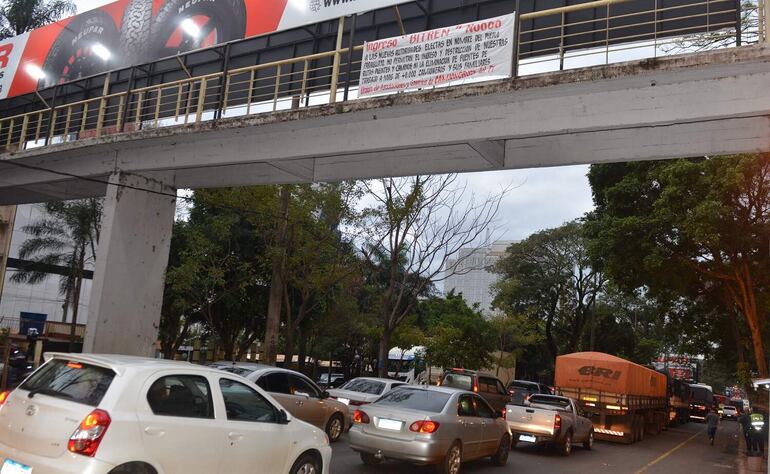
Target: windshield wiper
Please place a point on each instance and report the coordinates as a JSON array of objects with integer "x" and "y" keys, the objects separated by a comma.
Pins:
[{"x": 48, "y": 391}]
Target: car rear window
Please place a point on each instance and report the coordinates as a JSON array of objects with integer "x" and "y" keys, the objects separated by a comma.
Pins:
[
  {"x": 532, "y": 387},
  {"x": 461, "y": 381},
  {"x": 415, "y": 399},
  {"x": 72, "y": 380},
  {"x": 558, "y": 402},
  {"x": 370, "y": 387}
]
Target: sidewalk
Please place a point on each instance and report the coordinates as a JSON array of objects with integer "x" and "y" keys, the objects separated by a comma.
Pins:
[{"x": 743, "y": 460}]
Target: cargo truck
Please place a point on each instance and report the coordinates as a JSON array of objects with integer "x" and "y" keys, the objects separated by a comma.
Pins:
[{"x": 623, "y": 400}]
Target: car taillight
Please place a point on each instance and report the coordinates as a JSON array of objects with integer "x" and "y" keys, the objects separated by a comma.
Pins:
[
  {"x": 505, "y": 414},
  {"x": 360, "y": 417},
  {"x": 556, "y": 423},
  {"x": 475, "y": 386},
  {"x": 4, "y": 397},
  {"x": 424, "y": 426},
  {"x": 85, "y": 440}
]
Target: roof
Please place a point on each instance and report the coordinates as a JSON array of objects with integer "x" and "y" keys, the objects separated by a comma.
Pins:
[
  {"x": 379, "y": 379},
  {"x": 433, "y": 388},
  {"x": 244, "y": 365},
  {"x": 120, "y": 362}
]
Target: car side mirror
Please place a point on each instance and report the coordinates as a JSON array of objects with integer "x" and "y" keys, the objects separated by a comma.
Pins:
[
  {"x": 324, "y": 395},
  {"x": 283, "y": 418}
]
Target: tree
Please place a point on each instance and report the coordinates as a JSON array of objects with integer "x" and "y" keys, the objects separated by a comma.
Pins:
[
  {"x": 550, "y": 278},
  {"x": 694, "y": 227},
  {"x": 20, "y": 16},
  {"x": 460, "y": 336},
  {"x": 66, "y": 236},
  {"x": 415, "y": 226}
]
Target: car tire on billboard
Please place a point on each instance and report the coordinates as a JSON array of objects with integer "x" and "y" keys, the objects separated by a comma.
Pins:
[
  {"x": 135, "y": 32},
  {"x": 72, "y": 55},
  {"x": 219, "y": 21}
]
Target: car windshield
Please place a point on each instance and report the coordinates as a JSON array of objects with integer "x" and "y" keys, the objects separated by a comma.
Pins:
[
  {"x": 461, "y": 381},
  {"x": 370, "y": 387},
  {"x": 242, "y": 371},
  {"x": 415, "y": 399},
  {"x": 71, "y": 380}
]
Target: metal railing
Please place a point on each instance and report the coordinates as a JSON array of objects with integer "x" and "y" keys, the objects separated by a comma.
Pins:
[
  {"x": 50, "y": 328},
  {"x": 547, "y": 40}
]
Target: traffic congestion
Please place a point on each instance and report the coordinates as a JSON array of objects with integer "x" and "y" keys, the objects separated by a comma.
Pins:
[{"x": 86, "y": 413}]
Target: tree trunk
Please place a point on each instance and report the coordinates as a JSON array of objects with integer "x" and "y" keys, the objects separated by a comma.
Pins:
[
  {"x": 76, "y": 298},
  {"x": 302, "y": 349},
  {"x": 270, "y": 344},
  {"x": 382, "y": 355}
]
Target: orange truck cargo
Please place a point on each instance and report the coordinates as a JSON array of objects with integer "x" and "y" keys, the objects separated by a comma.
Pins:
[{"x": 623, "y": 400}]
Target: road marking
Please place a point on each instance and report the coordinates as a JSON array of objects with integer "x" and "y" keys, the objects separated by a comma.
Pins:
[{"x": 667, "y": 454}]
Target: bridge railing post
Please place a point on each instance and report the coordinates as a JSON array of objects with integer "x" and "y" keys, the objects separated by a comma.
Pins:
[{"x": 336, "y": 63}]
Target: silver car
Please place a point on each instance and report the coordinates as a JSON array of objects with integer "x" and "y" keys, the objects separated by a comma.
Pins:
[
  {"x": 430, "y": 425},
  {"x": 299, "y": 395},
  {"x": 362, "y": 391}
]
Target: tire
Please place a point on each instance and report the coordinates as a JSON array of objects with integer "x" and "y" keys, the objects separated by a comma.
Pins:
[
  {"x": 640, "y": 424},
  {"x": 71, "y": 56},
  {"x": 226, "y": 17},
  {"x": 135, "y": 30},
  {"x": 589, "y": 443},
  {"x": 565, "y": 449},
  {"x": 452, "y": 460},
  {"x": 370, "y": 459},
  {"x": 335, "y": 427},
  {"x": 134, "y": 468},
  {"x": 500, "y": 458},
  {"x": 306, "y": 464}
]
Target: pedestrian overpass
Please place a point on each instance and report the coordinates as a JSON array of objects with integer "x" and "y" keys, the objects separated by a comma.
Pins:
[{"x": 270, "y": 123}]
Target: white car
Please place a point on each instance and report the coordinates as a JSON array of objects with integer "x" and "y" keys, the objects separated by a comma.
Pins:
[
  {"x": 363, "y": 390},
  {"x": 729, "y": 411},
  {"x": 92, "y": 414}
]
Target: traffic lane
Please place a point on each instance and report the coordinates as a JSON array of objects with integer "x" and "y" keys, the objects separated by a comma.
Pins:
[{"x": 684, "y": 449}]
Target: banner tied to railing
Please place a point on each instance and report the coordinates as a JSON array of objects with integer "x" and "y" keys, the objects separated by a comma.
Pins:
[{"x": 470, "y": 52}]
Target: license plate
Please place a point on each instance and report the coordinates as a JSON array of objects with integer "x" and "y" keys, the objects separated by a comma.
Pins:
[
  {"x": 527, "y": 438},
  {"x": 386, "y": 424},
  {"x": 13, "y": 467},
  {"x": 344, "y": 400}
]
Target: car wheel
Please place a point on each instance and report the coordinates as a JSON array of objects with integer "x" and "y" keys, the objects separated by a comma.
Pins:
[
  {"x": 334, "y": 427},
  {"x": 306, "y": 464},
  {"x": 566, "y": 447},
  {"x": 500, "y": 458},
  {"x": 223, "y": 21},
  {"x": 451, "y": 462},
  {"x": 370, "y": 459},
  {"x": 589, "y": 443},
  {"x": 134, "y": 468},
  {"x": 72, "y": 55}
]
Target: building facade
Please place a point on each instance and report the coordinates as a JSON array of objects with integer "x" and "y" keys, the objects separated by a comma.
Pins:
[{"x": 472, "y": 275}]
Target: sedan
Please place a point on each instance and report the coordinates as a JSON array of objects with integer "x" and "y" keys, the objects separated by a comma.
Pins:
[
  {"x": 430, "y": 425},
  {"x": 362, "y": 391},
  {"x": 730, "y": 411},
  {"x": 100, "y": 414},
  {"x": 298, "y": 394}
]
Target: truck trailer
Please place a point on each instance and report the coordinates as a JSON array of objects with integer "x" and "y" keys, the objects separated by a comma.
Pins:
[{"x": 623, "y": 400}]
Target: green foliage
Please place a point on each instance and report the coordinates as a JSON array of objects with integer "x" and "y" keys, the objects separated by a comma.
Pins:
[
  {"x": 20, "y": 16},
  {"x": 460, "y": 336}
]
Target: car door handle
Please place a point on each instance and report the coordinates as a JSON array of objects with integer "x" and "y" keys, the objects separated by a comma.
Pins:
[
  {"x": 234, "y": 436},
  {"x": 152, "y": 431}
]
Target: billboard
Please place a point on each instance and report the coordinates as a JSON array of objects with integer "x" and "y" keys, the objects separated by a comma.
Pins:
[
  {"x": 130, "y": 32},
  {"x": 680, "y": 367},
  {"x": 469, "y": 52}
]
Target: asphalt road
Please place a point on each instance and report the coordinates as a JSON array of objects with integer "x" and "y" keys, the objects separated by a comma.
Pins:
[{"x": 681, "y": 450}]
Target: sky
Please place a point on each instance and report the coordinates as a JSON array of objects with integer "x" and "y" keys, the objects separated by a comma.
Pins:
[{"x": 543, "y": 197}]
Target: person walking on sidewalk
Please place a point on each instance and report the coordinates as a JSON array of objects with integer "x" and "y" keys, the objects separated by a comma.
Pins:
[
  {"x": 745, "y": 423},
  {"x": 712, "y": 420}
]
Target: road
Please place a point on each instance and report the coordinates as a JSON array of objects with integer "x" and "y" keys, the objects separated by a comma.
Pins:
[{"x": 681, "y": 450}]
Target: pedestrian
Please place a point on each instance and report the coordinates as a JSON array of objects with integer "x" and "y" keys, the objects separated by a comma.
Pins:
[
  {"x": 745, "y": 423},
  {"x": 758, "y": 431},
  {"x": 712, "y": 420}
]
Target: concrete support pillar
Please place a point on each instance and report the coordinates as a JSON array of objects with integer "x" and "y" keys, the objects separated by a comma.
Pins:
[{"x": 127, "y": 292}]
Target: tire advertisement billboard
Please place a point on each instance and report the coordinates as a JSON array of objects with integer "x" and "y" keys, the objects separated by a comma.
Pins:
[{"x": 130, "y": 32}]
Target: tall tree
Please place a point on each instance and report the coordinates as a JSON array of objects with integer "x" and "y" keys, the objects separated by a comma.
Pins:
[
  {"x": 549, "y": 276},
  {"x": 20, "y": 16},
  {"x": 65, "y": 236},
  {"x": 690, "y": 226},
  {"x": 414, "y": 227}
]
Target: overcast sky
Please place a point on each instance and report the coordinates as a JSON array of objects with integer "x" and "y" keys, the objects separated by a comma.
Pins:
[{"x": 544, "y": 198}]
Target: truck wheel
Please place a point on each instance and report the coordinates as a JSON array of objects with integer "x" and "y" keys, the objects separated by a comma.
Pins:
[
  {"x": 500, "y": 458},
  {"x": 640, "y": 424},
  {"x": 566, "y": 447},
  {"x": 451, "y": 462},
  {"x": 589, "y": 443}
]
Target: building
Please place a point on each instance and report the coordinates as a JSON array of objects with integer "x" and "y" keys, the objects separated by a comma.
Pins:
[{"x": 472, "y": 275}]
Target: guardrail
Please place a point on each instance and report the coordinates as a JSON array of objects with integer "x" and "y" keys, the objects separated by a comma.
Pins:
[{"x": 565, "y": 39}]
